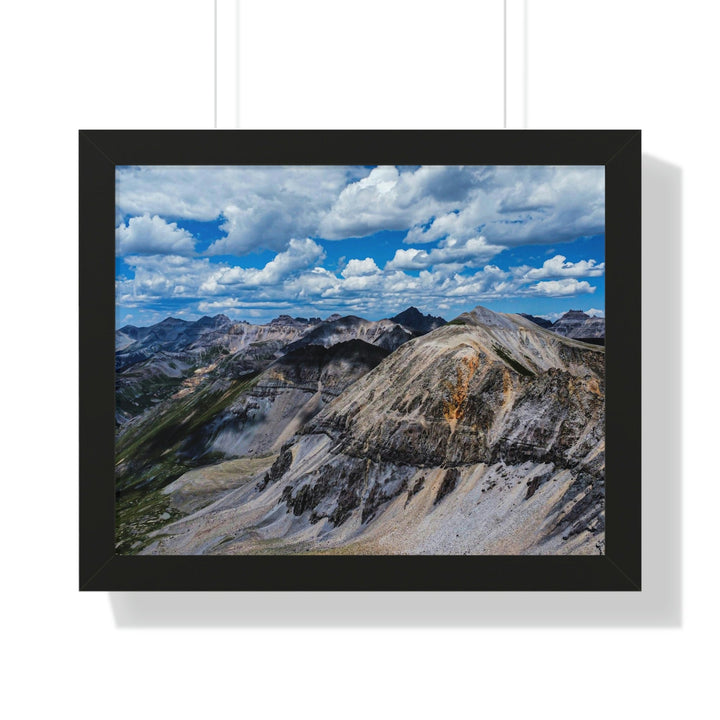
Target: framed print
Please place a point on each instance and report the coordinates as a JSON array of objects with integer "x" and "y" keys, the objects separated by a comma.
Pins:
[{"x": 360, "y": 360}]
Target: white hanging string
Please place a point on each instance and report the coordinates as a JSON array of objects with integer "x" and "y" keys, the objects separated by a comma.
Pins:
[
  {"x": 215, "y": 66},
  {"x": 505, "y": 64},
  {"x": 237, "y": 63}
]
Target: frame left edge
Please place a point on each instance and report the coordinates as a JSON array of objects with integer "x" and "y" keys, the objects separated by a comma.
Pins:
[{"x": 96, "y": 350}]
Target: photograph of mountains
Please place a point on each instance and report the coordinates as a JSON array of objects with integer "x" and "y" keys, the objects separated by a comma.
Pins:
[{"x": 360, "y": 360}]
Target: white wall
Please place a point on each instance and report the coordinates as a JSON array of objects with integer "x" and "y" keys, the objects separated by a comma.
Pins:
[{"x": 149, "y": 63}]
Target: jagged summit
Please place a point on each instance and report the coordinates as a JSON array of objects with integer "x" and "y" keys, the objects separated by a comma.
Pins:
[{"x": 415, "y": 321}]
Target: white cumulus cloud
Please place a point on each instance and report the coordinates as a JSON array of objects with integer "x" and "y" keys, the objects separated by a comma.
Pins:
[
  {"x": 258, "y": 206},
  {"x": 264, "y": 206},
  {"x": 558, "y": 267},
  {"x": 470, "y": 252},
  {"x": 561, "y": 288},
  {"x": 356, "y": 268},
  {"x": 151, "y": 235},
  {"x": 525, "y": 205},
  {"x": 388, "y": 199},
  {"x": 300, "y": 255}
]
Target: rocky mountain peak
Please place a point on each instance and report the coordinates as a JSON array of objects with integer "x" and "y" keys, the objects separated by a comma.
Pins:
[
  {"x": 215, "y": 321},
  {"x": 579, "y": 325},
  {"x": 412, "y": 313},
  {"x": 575, "y": 315},
  {"x": 171, "y": 322},
  {"x": 415, "y": 321},
  {"x": 485, "y": 316}
]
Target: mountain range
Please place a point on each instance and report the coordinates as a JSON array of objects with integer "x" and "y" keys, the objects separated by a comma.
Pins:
[
  {"x": 404, "y": 435},
  {"x": 154, "y": 363}
]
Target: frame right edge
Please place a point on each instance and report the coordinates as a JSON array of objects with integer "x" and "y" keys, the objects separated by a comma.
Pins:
[{"x": 623, "y": 359}]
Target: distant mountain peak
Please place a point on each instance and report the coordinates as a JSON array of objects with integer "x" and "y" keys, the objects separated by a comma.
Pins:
[
  {"x": 412, "y": 311},
  {"x": 414, "y": 320},
  {"x": 294, "y": 321},
  {"x": 580, "y": 326},
  {"x": 574, "y": 314},
  {"x": 214, "y": 321}
]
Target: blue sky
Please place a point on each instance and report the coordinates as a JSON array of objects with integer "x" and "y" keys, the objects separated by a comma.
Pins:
[{"x": 254, "y": 242}]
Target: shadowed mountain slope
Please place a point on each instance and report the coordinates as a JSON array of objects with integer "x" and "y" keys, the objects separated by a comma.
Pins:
[{"x": 221, "y": 415}]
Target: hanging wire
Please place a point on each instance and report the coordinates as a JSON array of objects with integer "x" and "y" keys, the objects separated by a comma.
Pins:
[
  {"x": 505, "y": 64},
  {"x": 215, "y": 65}
]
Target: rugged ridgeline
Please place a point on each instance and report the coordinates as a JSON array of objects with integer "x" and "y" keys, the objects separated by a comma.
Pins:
[
  {"x": 154, "y": 363},
  {"x": 483, "y": 436},
  {"x": 574, "y": 324}
]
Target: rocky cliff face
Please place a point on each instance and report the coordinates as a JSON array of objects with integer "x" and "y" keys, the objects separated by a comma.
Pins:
[
  {"x": 483, "y": 436},
  {"x": 286, "y": 396},
  {"x": 219, "y": 412}
]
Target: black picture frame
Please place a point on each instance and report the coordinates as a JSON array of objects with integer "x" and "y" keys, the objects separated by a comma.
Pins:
[{"x": 100, "y": 151}]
